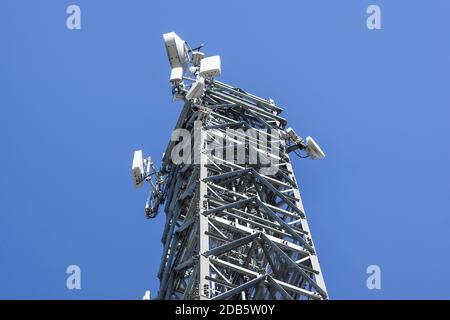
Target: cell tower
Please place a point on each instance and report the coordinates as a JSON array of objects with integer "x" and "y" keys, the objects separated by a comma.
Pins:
[{"x": 235, "y": 224}]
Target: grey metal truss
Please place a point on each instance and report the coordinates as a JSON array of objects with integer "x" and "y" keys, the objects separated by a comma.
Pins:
[{"x": 232, "y": 232}]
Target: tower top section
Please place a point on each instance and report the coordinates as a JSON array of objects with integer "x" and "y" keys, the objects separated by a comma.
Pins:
[{"x": 186, "y": 63}]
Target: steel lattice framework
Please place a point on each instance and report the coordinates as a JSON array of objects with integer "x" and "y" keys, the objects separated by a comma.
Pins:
[{"x": 231, "y": 231}]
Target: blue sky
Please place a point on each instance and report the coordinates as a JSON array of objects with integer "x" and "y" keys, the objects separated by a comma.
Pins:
[{"x": 76, "y": 104}]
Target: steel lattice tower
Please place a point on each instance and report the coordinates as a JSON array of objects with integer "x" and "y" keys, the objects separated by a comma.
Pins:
[{"x": 232, "y": 231}]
